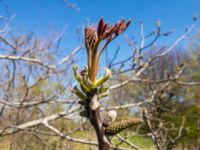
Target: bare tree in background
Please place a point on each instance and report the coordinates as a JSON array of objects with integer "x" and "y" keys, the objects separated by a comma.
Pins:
[{"x": 36, "y": 84}]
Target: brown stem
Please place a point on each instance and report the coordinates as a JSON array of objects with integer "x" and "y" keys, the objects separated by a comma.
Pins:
[{"x": 95, "y": 120}]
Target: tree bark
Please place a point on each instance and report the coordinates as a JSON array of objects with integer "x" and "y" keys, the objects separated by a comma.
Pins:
[{"x": 95, "y": 120}]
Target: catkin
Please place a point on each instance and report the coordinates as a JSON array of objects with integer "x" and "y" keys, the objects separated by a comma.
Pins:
[{"x": 117, "y": 127}]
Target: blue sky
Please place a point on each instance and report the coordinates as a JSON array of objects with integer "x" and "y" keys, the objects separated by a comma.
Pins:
[{"x": 43, "y": 16}]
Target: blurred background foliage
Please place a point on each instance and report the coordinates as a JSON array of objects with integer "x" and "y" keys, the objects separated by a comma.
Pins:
[{"x": 169, "y": 106}]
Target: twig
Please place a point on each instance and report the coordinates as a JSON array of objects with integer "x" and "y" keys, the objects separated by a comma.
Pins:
[
  {"x": 128, "y": 142},
  {"x": 13, "y": 129},
  {"x": 70, "y": 55},
  {"x": 76, "y": 140},
  {"x": 147, "y": 64},
  {"x": 26, "y": 59}
]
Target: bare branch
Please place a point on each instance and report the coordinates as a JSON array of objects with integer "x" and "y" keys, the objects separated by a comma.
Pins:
[
  {"x": 13, "y": 129},
  {"x": 70, "y": 55},
  {"x": 26, "y": 59},
  {"x": 128, "y": 142}
]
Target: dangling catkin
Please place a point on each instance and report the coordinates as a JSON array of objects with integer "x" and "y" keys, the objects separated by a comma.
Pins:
[{"x": 117, "y": 127}]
